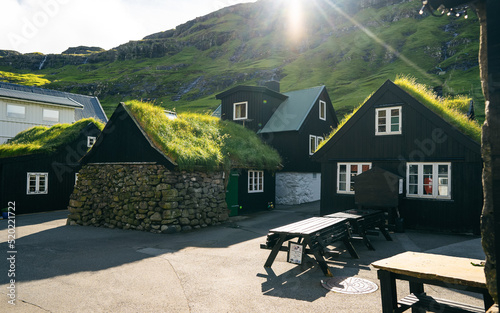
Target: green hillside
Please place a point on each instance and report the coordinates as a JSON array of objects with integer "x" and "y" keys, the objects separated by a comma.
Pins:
[{"x": 352, "y": 47}]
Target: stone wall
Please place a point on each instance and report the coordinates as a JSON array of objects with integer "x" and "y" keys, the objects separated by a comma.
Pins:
[
  {"x": 297, "y": 188},
  {"x": 147, "y": 197}
]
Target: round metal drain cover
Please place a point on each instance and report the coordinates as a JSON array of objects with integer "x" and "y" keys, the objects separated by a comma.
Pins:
[{"x": 349, "y": 285}]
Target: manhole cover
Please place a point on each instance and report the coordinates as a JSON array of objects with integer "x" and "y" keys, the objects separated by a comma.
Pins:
[{"x": 349, "y": 285}]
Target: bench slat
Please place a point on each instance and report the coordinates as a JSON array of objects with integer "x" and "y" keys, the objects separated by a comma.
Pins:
[{"x": 438, "y": 305}]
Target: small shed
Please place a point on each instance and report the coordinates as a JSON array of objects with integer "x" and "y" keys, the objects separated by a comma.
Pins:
[
  {"x": 39, "y": 166},
  {"x": 377, "y": 188}
]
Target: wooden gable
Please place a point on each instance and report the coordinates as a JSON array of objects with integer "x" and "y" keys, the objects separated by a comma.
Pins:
[
  {"x": 124, "y": 141},
  {"x": 425, "y": 135}
]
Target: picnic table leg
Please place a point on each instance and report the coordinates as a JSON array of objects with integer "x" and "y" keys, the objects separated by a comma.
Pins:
[
  {"x": 366, "y": 241},
  {"x": 350, "y": 248},
  {"x": 383, "y": 230},
  {"x": 275, "y": 250},
  {"x": 319, "y": 258},
  {"x": 388, "y": 291}
]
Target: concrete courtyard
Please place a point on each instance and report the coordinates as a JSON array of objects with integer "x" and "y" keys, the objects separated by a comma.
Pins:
[{"x": 61, "y": 268}]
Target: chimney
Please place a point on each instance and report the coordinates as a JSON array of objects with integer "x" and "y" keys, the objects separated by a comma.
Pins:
[{"x": 273, "y": 85}]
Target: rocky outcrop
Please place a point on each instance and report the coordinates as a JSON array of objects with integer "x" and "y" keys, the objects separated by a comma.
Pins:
[{"x": 147, "y": 197}]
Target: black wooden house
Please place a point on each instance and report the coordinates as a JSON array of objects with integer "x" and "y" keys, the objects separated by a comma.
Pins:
[
  {"x": 43, "y": 179},
  {"x": 440, "y": 165},
  {"x": 294, "y": 123}
]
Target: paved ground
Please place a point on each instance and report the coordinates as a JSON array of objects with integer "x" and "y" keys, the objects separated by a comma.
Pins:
[{"x": 63, "y": 268}]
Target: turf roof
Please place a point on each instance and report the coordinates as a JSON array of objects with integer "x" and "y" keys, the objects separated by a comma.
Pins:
[
  {"x": 44, "y": 139},
  {"x": 197, "y": 141},
  {"x": 451, "y": 109}
]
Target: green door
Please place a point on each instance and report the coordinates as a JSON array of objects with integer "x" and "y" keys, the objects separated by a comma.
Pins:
[{"x": 232, "y": 193}]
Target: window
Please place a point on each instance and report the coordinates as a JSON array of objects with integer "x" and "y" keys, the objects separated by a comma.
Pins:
[
  {"x": 388, "y": 121},
  {"x": 322, "y": 110},
  {"x": 428, "y": 180},
  {"x": 240, "y": 111},
  {"x": 314, "y": 142},
  {"x": 16, "y": 111},
  {"x": 37, "y": 183},
  {"x": 50, "y": 115},
  {"x": 90, "y": 141},
  {"x": 255, "y": 181},
  {"x": 345, "y": 173}
]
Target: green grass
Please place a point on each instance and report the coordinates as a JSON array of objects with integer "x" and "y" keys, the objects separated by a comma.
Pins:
[
  {"x": 450, "y": 109},
  {"x": 27, "y": 79},
  {"x": 198, "y": 141},
  {"x": 44, "y": 139}
]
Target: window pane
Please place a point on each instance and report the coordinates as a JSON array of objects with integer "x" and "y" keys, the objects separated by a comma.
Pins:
[
  {"x": 354, "y": 169},
  {"x": 50, "y": 115},
  {"x": 42, "y": 183},
  {"x": 365, "y": 168},
  {"x": 16, "y": 111},
  {"x": 342, "y": 186},
  {"x": 413, "y": 189},
  {"x": 413, "y": 179},
  {"x": 32, "y": 183},
  {"x": 443, "y": 181},
  {"x": 312, "y": 144},
  {"x": 413, "y": 169},
  {"x": 342, "y": 177},
  {"x": 381, "y": 113},
  {"x": 428, "y": 179},
  {"x": 395, "y": 113},
  {"x": 343, "y": 168}
]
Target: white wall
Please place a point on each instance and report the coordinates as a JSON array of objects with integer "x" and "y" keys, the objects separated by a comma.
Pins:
[
  {"x": 297, "y": 188},
  {"x": 9, "y": 127}
]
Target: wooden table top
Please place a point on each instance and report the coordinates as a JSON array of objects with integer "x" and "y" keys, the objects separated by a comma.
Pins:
[
  {"x": 309, "y": 226},
  {"x": 355, "y": 213},
  {"x": 453, "y": 270}
]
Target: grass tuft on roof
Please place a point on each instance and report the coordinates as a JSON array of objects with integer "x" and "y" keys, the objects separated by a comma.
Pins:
[
  {"x": 452, "y": 110},
  {"x": 44, "y": 139},
  {"x": 197, "y": 141}
]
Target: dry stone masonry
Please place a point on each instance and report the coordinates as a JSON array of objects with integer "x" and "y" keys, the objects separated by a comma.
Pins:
[{"x": 147, "y": 197}]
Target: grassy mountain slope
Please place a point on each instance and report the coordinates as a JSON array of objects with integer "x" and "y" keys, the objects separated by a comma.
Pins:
[{"x": 352, "y": 47}]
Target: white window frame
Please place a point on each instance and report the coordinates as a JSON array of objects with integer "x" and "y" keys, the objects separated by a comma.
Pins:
[
  {"x": 38, "y": 185},
  {"x": 49, "y": 118},
  {"x": 234, "y": 111},
  {"x": 322, "y": 108},
  {"x": 15, "y": 114},
  {"x": 91, "y": 141},
  {"x": 348, "y": 175},
  {"x": 388, "y": 126},
  {"x": 314, "y": 142},
  {"x": 255, "y": 181},
  {"x": 435, "y": 184}
]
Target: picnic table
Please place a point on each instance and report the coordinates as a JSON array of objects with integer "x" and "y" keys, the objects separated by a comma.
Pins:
[
  {"x": 314, "y": 234},
  {"x": 433, "y": 269},
  {"x": 364, "y": 219}
]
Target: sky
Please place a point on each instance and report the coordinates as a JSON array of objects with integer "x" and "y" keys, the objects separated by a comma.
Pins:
[{"x": 52, "y": 26}]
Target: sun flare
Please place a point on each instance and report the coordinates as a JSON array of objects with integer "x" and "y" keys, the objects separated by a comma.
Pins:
[{"x": 295, "y": 20}]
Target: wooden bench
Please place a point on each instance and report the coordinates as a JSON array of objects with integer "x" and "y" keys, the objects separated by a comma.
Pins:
[
  {"x": 363, "y": 220},
  {"x": 315, "y": 234},
  {"x": 433, "y": 269}
]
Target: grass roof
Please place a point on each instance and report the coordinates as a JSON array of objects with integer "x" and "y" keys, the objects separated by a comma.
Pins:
[
  {"x": 451, "y": 109},
  {"x": 44, "y": 139},
  {"x": 197, "y": 140}
]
